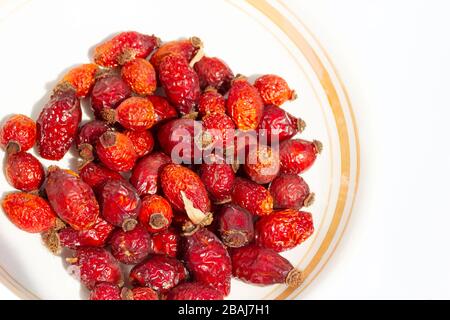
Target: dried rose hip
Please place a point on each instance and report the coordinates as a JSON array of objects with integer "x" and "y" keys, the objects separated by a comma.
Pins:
[
  {"x": 263, "y": 267},
  {"x": 82, "y": 78},
  {"x": 144, "y": 176},
  {"x": 96, "y": 236},
  {"x": 252, "y": 197},
  {"x": 219, "y": 128},
  {"x": 284, "y": 230},
  {"x": 244, "y": 105},
  {"x": 19, "y": 131},
  {"x": 24, "y": 172},
  {"x": 211, "y": 102},
  {"x": 71, "y": 198},
  {"x": 274, "y": 90},
  {"x": 105, "y": 291},
  {"x": 180, "y": 83},
  {"x": 262, "y": 164},
  {"x": 95, "y": 174},
  {"x": 296, "y": 156},
  {"x": 163, "y": 109},
  {"x": 95, "y": 265},
  {"x": 29, "y": 212},
  {"x": 277, "y": 125},
  {"x": 290, "y": 191},
  {"x": 130, "y": 247},
  {"x": 235, "y": 226},
  {"x": 120, "y": 204},
  {"x": 116, "y": 151},
  {"x": 139, "y": 293},
  {"x": 213, "y": 72},
  {"x": 207, "y": 260},
  {"x": 143, "y": 141},
  {"x": 156, "y": 213},
  {"x": 187, "y": 48},
  {"x": 125, "y": 47},
  {"x": 140, "y": 76},
  {"x": 182, "y": 140},
  {"x": 108, "y": 92},
  {"x": 194, "y": 291},
  {"x": 165, "y": 242},
  {"x": 135, "y": 113},
  {"x": 186, "y": 192},
  {"x": 159, "y": 272},
  {"x": 58, "y": 122},
  {"x": 218, "y": 179},
  {"x": 87, "y": 137}
]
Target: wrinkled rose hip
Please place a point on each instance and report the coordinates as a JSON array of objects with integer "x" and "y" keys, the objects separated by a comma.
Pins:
[
  {"x": 87, "y": 137},
  {"x": 82, "y": 78},
  {"x": 274, "y": 90},
  {"x": 290, "y": 191},
  {"x": 139, "y": 293},
  {"x": 140, "y": 75},
  {"x": 166, "y": 242},
  {"x": 186, "y": 48},
  {"x": 218, "y": 179},
  {"x": 297, "y": 156},
  {"x": 235, "y": 226},
  {"x": 130, "y": 247},
  {"x": 143, "y": 141},
  {"x": 163, "y": 109},
  {"x": 116, "y": 151},
  {"x": 24, "y": 172},
  {"x": 96, "y": 236},
  {"x": 105, "y": 291},
  {"x": 213, "y": 72},
  {"x": 95, "y": 174},
  {"x": 108, "y": 92},
  {"x": 144, "y": 176},
  {"x": 262, "y": 165},
  {"x": 156, "y": 213},
  {"x": 252, "y": 197},
  {"x": 211, "y": 102},
  {"x": 194, "y": 291},
  {"x": 20, "y": 131},
  {"x": 135, "y": 113}
]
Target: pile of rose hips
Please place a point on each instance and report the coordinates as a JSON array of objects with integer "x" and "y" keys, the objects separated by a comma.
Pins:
[{"x": 185, "y": 229}]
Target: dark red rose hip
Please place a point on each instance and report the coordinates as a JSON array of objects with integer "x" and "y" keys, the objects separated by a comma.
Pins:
[
  {"x": 108, "y": 92},
  {"x": 105, "y": 291},
  {"x": 218, "y": 180},
  {"x": 144, "y": 176},
  {"x": 95, "y": 174},
  {"x": 214, "y": 72},
  {"x": 87, "y": 137},
  {"x": 194, "y": 291},
  {"x": 290, "y": 191},
  {"x": 163, "y": 109},
  {"x": 235, "y": 226},
  {"x": 96, "y": 236},
  {"x": 252, "y": 197},
  {"x": 130, "y": 247},
  {"x": 166, "y": 242}
]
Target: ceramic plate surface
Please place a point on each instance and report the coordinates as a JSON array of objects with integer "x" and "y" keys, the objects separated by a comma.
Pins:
[{"x": 42, "y": 39}]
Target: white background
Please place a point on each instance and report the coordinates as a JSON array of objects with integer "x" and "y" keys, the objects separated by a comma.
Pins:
[{"x": 394, "y": 57}]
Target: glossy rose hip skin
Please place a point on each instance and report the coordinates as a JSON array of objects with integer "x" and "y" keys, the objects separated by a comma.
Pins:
[
  {"x": 166, "y": 242},
  {"x": 213, "y": 72},
  {"x": 145, "y": 174},
  {"x": 95, "y": 174},
  {"x": 108, "y": 92},
  {"x": 96, "y": 236},
  {"x": 19, "y": 130},
  {"x": 252, "y": 197},
  {"x": 297, "y": 156},
  {"x": 156, "y": 213},
  {"x": 24, "y": 172},
  {"x": 235, "y": 226}
]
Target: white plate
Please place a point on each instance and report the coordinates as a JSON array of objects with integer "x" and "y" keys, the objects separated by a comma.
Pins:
[{"x": 42, "y": 39}]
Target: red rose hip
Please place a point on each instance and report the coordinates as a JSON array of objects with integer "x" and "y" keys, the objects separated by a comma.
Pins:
[
  {"x": 163, "y": 109},
  {"x": 143, "y": 141},
  {"x": 105, "y": 291},
  {"x": 140, "y": 75},
  {"x": 252, "y": 197},
  {"x": 213, "y": 72},
  {"x": 274, "y": 90},
  {"x": 130, "y": 247},
  {"x": 186, "y": 48},
  {"x": 82, "y": 78},
  {"x": 135, "y": 113},
  {"x": 297, "y": 156},
  {"x": 290, "y": 191},
  {"x": 261, "y": 266},
  {"x": 144, "y": 176},
  {"x": 116, "y": 151},
  {"x": 156, "y": 213},
  {"x": 24, "y": 172},
  {"x": 96, "y": 236},
  {"x": 211, "y": 102},
  {"x": 194, "y": 291},
  {"x": 166, "y": 242},
  {"x": 235, "y": 226},
  {"x": 139, "y": 293},
  {"x": 87, "y": 137},
  {"x": 262, "y": 165},
  {"x": 207, "y": 260},
  {"x": 108, "y": 92},
  {"x": 218, "y": 179},
  {"x": 20, "y": 131},
  {"x": 284, "y": 230},
  {"x": 95, "y": 174}
]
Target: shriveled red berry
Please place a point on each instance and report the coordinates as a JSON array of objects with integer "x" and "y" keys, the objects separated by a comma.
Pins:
[
  {"x": 95, "y": 265},
  {"x": 96, "y": 236},
  {"x": 186, "y": 192},
  {"x": 139, "y": 293},
  {"x": 87, "y": 137},
  {"x": 194, "y": 291},
  {"x": 244, "y": 105},
  {"x": 120, "y": 203},
  {"x": 135, "y": 113},
  {"x": 95, "y": 174},
  {"x": 24, "y": 172},
  {"x": 235, "y": 226},
  {"x": 251, "y": 196},
  {"x": 261, "y": 266},
  {"x": 180, "y": 83},
  {"x": 185, "y": 47},
  {"x": 277, "y": 125},
  {"x": 29, "y": 212},
  {"x": 284, "y": 230},
  {"x": 214, "y": 72},
  {"x": 211, "y": 102},
  {"x": 71, "y": 198},
  {"x": 163, "y": 109},
  {"x": 144, "y": 176},
  {"x": 218, "y": 179},
  {"x": 290, "y": 191},
  {"x": 19, "y": 130},
  {"x": 166, "y": 242},
  {"x": 116, "y": 151},
  {"x": 105, "y": 291},
  {"x": 156, "y": 213},
  {"x": 274, "y": 90},
  {"x": 130, "y": 247},
  {"x": 108, "y": 92},
  {"x": 143, "y": 141},
  {"x": 159, "y": 272},
  {"x": 219, "y": 128},
  {"x": 262, "y": 164},
  {"x": 58, "y": 122},
  {"x": 182, "y": 140},
  {"x": 140, "y": 75},
  {"x": 207, "y": 260},
  {"x": 82, "y": 78},
  {"x": 124, "y": 47},
  {"x": 297, "y": 156}
]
